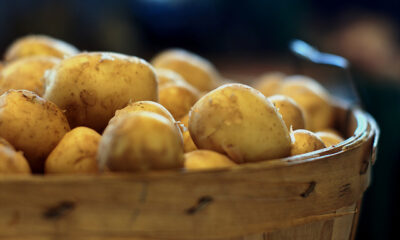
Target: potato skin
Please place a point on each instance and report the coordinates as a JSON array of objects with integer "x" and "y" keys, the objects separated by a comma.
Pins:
[
  {"x": 196, "y": 70},
  {"x": 269, "y": 83},
  {"x": 291, "y": 112},
  {"x": 206, "y": 159},
  {"x": 312, "y": 98},
  {"x": 239, "y": 121},
  {"x": 188, "y": 144},
  {"x": 31, "y": 124},
  {"x": 75, "y": 153},
  {"x": 178, "y": 99},
  {"x": 140, "y": 141},
  {"x": 305, "y": 141},
  {"x": 329, "y": 138},
  {"x": 92, "y": 86},
  {"x": 39, "y": 45},
  {"x": 167, "y": 76},
  {"x": 149, "y": 106},
  {"x": 11, "y": 161},
  {"x": 26, "y": 73}
]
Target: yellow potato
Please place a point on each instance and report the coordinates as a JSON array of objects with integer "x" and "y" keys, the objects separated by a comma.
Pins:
[
  {"x": 188, "y": 144},
  {"x": 39, "y": 45},
  {"x": 196, "y": 70},
  {"x": 92, "y": 86},
  {"x": 206, "y": 159},
  {"x": 178, "y": 99},
  {"x": 11, "y": 161},
  {"x": 329, "y": 138},
  {"x": 166, "y": 76},
  {"x": 140, "y": 141},
  {"x": 31, "y": 124},
  {"x": 314, "y": 100},
  {"x": 75, "y": 153},
  {"x": 26, "y": 73},
  {"x": 239, "y": 121},
  {"x": 149, "y": 106},
  {"x": 269, "y": 83},
  {"x": 291, "y": 112},
  {"x": 305, "y": 141}
]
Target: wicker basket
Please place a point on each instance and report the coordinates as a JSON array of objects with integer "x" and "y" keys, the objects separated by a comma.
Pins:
[{"x": 313, "y": 196}]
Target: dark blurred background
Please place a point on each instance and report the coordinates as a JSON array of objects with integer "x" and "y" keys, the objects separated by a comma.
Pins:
[{"x": 245, "y": 39}]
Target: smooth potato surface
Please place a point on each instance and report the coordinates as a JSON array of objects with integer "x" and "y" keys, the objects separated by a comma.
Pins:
[
  {"x": 188, "y": 144},
  {"x": 239, "y": 121},
  {"x": 39, "y": 45},
  {"x": 312, "y": 98},
  {"x": 206, "y": 159},
  {"x": 32, "y": 125},
  {"x": 178, "y": 99},
  {"x": 75, "y": 153},
  {"x": 140, "y": 141},
  {"x": 167, "y": 76},
  {"x": 269, "y": 83},
  {"x": 305, "y": 141},
  {"x": 90, "y": 87},
  {"x": 291, "y": 112},
  {"x": 11, "y": 161},
  {"x": 329, "y": 138},
  {"x": 196, "y": 70},
  {"x": 26, "y": 73}
]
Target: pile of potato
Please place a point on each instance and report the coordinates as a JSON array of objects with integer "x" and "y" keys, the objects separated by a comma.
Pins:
[{"x": 63, "y": 111}]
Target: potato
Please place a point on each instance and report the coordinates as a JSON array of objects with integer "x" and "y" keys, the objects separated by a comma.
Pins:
[
  {"x": 147, "y": 106},
  {"x": 140, "y": 141},
  {"x": 196, "y": 70},
  {"x": 39, "y": 45},
  {"x": 312, "y": 98},
  {"x": 92, "y": 86},
  {"x": 75, "y": 153},
  {"x": 329, "y": 138},
  {"x": 305, "y": 141},
  {"x": 26, "y": 73},
  {"x": 166, "y": 76},
  {"x": 31, "y": 124},
  {"x": 206, "y": 159},
  {"x": 188, "y": 144},
  {"x": 239, "y": 121},
  {"x": 269, "y": 83},
  {"x": 178, "y": 99},
  {"x": 291, "y": 112},
  {"x": 11, "y": 161}
]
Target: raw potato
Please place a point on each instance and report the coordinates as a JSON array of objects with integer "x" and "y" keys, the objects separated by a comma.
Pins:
[
  {"x": 11, "y": 161},
  {"x": 32, "y": 125},
  {"x": 166, "y": 76},
  {"x": 92, "y": 86},
  {"x": 39, "y": 45},
  {"x": 206, "y": 159},
  {"x": 26, "y": 73},
  {"x": 188, "y": 144},
  {"x": 329, "y": 138},
  {"x": 196, "y": 70},
  {"x": 291, "y": 112},
  {"x": 305, "y": 141},
  {"x": 75, "y": 153},
  {"x": 312, "y": 98},
  {"x": 140, "y": 141},
  {"x": 149, "y": 106},
  {"x": 269, "y": 83},
  {"x": 239, "y": 121},
  {"x": 178, "y": 99}
]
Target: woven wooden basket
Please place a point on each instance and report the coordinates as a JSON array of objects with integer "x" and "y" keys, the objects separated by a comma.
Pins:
[{"x": 313, "y": 196}]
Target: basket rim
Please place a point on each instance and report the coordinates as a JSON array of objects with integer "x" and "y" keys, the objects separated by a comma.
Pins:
[{"x": 366, "y": 129}]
